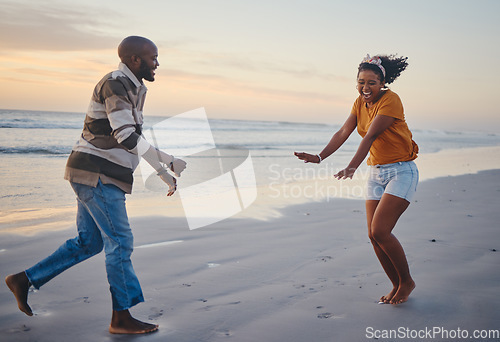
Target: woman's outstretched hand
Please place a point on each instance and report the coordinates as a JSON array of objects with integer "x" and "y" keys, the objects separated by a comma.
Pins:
[
  {"x": 345, "y": 173},
  {"x": 348, "y": 172},
  {"x": 307, "y": 158}
]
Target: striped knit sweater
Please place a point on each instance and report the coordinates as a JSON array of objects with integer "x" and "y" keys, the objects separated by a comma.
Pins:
[{"x": 106, "y": 149}]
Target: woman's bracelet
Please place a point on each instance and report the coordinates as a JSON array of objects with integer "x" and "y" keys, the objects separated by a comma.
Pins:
[{"x": 319, "y": 157}]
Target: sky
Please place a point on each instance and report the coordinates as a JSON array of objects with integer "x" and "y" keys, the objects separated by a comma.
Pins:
[{"x": 259, "y": 60}]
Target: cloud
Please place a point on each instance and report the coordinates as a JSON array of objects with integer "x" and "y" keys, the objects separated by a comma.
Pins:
[
  {"x": 54, "y": 26},
  {"x": 53, "y": 76},
  {"x": 267, "y": 67},
  {"x": 221, "y": 84}
]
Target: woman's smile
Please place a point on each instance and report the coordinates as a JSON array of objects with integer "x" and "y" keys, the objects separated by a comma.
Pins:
[{"x": 369, "y": 86}]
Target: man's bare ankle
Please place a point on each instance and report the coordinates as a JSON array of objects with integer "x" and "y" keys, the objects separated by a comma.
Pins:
[{"x": 122, "y": 322}]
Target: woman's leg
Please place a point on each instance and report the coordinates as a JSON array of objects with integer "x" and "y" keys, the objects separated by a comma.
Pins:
[
  {"x": 383, "y": 220},
  {"x": 371, "y": 206}
]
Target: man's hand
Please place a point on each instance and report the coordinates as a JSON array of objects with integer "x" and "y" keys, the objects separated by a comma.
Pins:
[
  {"x": 174, "y": 164},
  {"x": 169, "y": 180},
  {"x": 177, "y": 166}
]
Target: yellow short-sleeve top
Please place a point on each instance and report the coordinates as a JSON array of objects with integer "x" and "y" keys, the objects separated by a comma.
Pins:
[{"x": 393, "y": 145}]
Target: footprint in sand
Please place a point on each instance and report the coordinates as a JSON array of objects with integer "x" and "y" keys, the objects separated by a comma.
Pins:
[
  {"x": 325, "y": 315},
  {"x": 224, "y": 333},
  {"x": 157, "y": 313},
  {"x": 76, "y": 300},
  {"x": 210, "y": 307},
  {"x": 38, "y": 310},
  {"x": 82, "y": 299},
  {"x": 22, "y": 328}
]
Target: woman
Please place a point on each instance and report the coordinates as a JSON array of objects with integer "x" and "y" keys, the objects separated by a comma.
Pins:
[{"x": 379, "y": 118}]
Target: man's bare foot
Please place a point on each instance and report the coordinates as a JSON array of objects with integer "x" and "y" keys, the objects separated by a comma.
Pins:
[
  {"x": 387, "y": 298},
  {"x": 19, "y": 285},
  {"x": 122, "y": 322},
  {"x": 403, "y": 292}
]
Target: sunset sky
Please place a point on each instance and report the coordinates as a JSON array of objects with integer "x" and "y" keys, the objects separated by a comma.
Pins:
[{"x": 267, "y": 60}]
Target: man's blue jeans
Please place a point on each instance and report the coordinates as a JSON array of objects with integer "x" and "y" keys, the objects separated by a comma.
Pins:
[{"x": 101, "y": 222}]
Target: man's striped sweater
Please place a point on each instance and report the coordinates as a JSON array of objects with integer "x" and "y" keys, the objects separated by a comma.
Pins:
[{"x": 107, "y": 149}]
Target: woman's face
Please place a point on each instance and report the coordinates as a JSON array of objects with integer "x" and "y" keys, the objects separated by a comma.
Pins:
[{"x": 369, "y": 86}]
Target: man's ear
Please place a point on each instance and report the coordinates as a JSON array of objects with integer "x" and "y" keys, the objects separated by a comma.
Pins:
[{"x": 135, "y": 60}]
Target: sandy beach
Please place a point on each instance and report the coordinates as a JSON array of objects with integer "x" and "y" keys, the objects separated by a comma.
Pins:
[
  {"x": 254, "y": 108},
  {"x": 307, "y": 273}
]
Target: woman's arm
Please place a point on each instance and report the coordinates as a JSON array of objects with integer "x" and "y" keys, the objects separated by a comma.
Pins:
[
  {"x": 335, "y": 142},
  {"x": 378, "y": 125}
]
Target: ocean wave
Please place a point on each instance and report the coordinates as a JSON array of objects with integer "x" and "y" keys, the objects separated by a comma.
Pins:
[
  {"x": 447, "y": 133},
  {"x": 58, "y": 131},
  {"x": 223, "y": 125},
  {"x": 59, "y": 151},
  {"x": 39, "y": 126},
  {"x": 216, "y": 125}
]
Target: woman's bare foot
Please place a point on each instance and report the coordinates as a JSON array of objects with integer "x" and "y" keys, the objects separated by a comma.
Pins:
[
  {"x": 403, "y": 292},
  {"x": 19, "y": 285},
  {"x": 387, "y": 298},
  {"x": 122, "y": 322}
]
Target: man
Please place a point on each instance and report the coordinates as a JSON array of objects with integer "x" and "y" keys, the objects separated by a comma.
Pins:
[{"x": 100, "y": 170}]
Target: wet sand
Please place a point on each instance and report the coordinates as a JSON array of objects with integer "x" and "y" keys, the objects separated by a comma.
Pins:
[{"x": 307, "y": 274}]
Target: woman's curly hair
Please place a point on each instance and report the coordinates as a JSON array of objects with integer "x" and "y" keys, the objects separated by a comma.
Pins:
[{"x": 392, "y": 64}]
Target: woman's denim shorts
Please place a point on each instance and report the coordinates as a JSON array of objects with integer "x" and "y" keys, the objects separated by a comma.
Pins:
[{"x": 397, "y": 179}]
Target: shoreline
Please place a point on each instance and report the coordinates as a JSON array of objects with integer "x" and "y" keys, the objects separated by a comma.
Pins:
[
  {"x": 309, "y": 274},
  {"x": 271, "y": 198}
]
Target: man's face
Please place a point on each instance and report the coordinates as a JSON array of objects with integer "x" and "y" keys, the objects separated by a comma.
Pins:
[{"x": 149, "y": 63}]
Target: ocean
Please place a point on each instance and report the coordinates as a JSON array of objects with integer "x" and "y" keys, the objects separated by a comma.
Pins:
[{"x": 34, "y": 146}]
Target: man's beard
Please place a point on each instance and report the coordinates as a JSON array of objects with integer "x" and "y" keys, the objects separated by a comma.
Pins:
[{"x": 145, "y": 72}]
